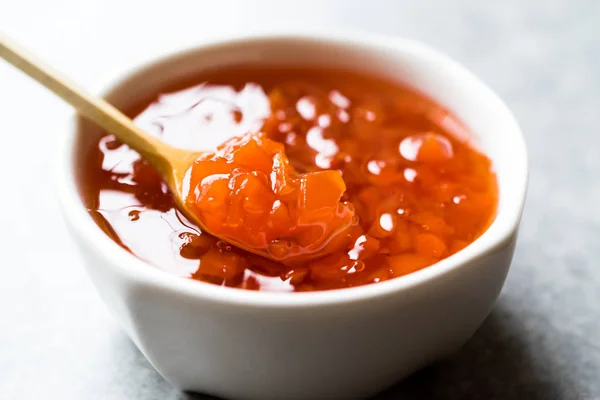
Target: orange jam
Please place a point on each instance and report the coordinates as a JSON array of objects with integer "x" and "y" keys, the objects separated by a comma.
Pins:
[
  {"x": 377, "y": 177},
  {"x": 247, "y": 191}
]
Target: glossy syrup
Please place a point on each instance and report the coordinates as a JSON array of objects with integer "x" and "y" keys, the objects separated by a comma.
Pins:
[{"x": 421, "y": 191}]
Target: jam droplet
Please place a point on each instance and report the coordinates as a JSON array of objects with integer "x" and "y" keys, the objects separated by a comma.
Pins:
[
  {"x": 134, "y": 215},
  {"x": 238, "y": 116}
]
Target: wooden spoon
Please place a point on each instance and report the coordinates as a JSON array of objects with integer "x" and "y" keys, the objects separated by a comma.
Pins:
[{"x": 170, "y": 162}]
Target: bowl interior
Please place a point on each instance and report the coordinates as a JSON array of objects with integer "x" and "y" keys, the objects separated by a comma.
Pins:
[{"x": 493, "y": 127}]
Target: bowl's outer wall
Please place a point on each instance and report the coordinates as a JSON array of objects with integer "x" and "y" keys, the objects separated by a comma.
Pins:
[
  {"x": 298, "y": 353},
  {"x": 347, "y": 350}
]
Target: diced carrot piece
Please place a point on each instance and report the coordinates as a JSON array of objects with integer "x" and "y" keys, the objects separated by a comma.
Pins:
[
  {"x": 457, "y": 245},
  {"x": 321, "y": 189},
  {"x": 406, "y": 263},
  {"x": 430, "y": 245},
  {"x": 330, "y": 268},
  {"x": 223, "y": 265},
  {"x": 365, "y": 247},
  {"x": 434, "y": 149},
  {"x": 253, "y": 156},
  {"x": 431, "y": 223},
  {"x": 208, "y": 166},
  {"x": 384, "y": 225},
  {"x": 310, "y": 234},
  {"x": 379, "y": 275},
  {"x": 295, "y": 276},
  {"x": 402, "y": 240},
  {"x": 279, "y": 220},
  {"x": 256, "y": 197}
]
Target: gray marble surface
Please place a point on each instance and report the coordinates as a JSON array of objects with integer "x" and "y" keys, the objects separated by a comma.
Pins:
[{"x": 541, "y": 341}]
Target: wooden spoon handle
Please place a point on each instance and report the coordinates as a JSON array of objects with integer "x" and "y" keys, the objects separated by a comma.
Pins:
[{"x": 92, "y": 107}]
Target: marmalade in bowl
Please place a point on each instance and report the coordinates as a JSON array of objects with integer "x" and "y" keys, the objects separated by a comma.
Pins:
[{"x": 384, "y": 178}]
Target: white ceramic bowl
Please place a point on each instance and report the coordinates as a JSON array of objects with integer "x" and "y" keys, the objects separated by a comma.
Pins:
[{"x": 348, "y": 343}]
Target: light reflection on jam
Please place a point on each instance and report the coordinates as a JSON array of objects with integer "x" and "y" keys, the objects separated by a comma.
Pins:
[{"x": 421, "y": 193}]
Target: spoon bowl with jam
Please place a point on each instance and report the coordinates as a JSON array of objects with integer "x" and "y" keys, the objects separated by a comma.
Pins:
[{"x": 247, "y": 193}]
